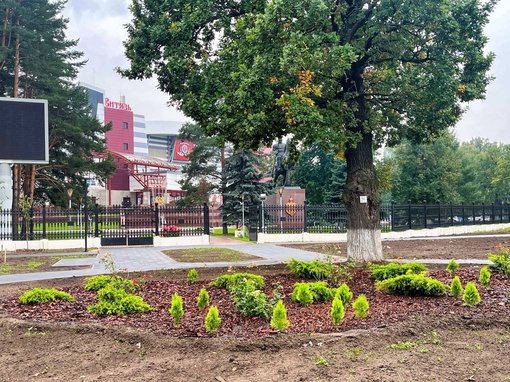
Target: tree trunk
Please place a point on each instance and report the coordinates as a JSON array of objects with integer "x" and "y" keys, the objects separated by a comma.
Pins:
[{"x": 361, "y": 198}]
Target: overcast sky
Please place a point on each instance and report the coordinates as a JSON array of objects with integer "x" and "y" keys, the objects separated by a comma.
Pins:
[{"x": 99, "y": 25}]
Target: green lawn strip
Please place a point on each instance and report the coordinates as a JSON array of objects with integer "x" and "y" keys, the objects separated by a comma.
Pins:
[
  {"x": 208, "y": 255},
  {"x": 32, "y": 264}
]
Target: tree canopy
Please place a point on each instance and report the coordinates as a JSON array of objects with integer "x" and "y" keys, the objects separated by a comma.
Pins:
[{"x": 348, "y": 75}]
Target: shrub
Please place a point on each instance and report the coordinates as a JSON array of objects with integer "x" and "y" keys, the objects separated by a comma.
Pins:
[
  {"x": 452, "y": 266},
  {"x": 337, "y": 311},
  {"x": 456, "y": 287},
  {"x": 485, "y": 276},
  {"x": 319, "y": 289},
  {"x": 412, "y": 285},
  {"x": 471, "y": 297},
  {"x": 360, "y": 306},
  {"x": 212, "y": 320},
  {"x": 315, "y": 269},
  {"x": 117, "y": 301},
  {"x": 249, "y": 300},
  {"x": 391, "y": 270},
  {"x": 279, "y": 317},
  {"x": 42, "y": 295},
  {"x": 192, "y": 276},
  {"x": 202, "y": 299},
  {"x": 176, "y": 309},
  {"x": 344, "y": 294},
  {"x": 101, "y": 281},
  {"x": 500, "y": 260},
  {"x": 302, "y": 294},
  {"x": 230, "y": 281}
]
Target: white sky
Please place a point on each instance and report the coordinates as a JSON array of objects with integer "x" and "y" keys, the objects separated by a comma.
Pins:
[{"x": 99, "y": 25}]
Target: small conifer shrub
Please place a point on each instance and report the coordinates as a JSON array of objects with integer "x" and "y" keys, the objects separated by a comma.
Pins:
[
  {"x": 202, "y": 299},
  {"x": 42, "y": 295},
  {"x": 471, "y": 297},
  {"x": 302, "y": 294},
  {"x": 456, "y": 287},
  {"x": 337, "y": 311},
  {"x": 192, "y": 276},
  {"x": 452, "y": 266},
  {"x": 344, "y": 294},
  {"x": 360, "y": 306},
  {"x": 279, "y": 318},
  {"x": 176, "y": 308},
  {"x": 485, "y": 276},
  {"x": 212, "y": 320}
]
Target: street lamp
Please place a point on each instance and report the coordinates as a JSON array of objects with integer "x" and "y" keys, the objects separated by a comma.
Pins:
[
  {"x": 280, "y": 191},
  {"x": 70, "y": 194},
  {"x": 242, "y": 208},
  {"x": 262, "y": 198}
]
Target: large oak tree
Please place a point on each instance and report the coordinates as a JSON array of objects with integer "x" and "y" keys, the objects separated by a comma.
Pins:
[{"x": 348, "y": 74}]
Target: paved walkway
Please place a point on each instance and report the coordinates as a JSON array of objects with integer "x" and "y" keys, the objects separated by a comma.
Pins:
[{"x": 140, "y": 259}]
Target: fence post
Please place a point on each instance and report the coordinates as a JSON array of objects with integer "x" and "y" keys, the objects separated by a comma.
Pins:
[
  {"x": 474, "y": 221},
  {"x": 206, "y": 219},
  {"x": 96, "y": 220},
  {"x": 392, "y": 223},
  {"x": 451, "y": 213},
  {"x": 439, "y": 215},
  {"x": 492, "y": 210},
  {"x": 44, "y": 221},
  {"x": 409, "y": 216},
  {"x": 156, "y": 219},
  {"x": 425, "y": 213},
  {"x": 483, "y": 213},
  {"x": 305, "y": 219}
]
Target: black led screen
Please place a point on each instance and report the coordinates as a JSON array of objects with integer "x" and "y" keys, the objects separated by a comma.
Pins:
[{"x": 23, "y": 130}]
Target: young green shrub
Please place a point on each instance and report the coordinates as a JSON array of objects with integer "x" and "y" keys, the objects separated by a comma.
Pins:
[
  {"x": 319, "y": 289},
  {"x": 485, "y": 276},
  {"x": 117, "y": 301},
  {"x": 202, "y": 299},
  {"x": 344, "y": 294},
  {"x": 192, "y": 276},
  {"x": 456, "y": 287},
  {"x": 176, "y": 308},
  {"x": 212, "y": 320},
  {"x": 391, "y": 270},
  {"x": 42, "y": 295},
  {"x": 360, "y": 306},
  {"x": 471, "y": 297},
  {"x": 452, "y": 266},
  {"x": 249, "y": 300},
  {"x": 315, "y": 269},
  {"x": 97, "y": 282},
  {"x": 279, "y": 317},
  {"x": 412, "y": 285},
  {"x": 500, "y": 260},
  {"x": 337, "y": 311},
  {"x": 231, "y": 281},
  {"x": 302, "y": 294}
]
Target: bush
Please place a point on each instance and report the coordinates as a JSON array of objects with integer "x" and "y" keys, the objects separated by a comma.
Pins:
[
  {"x": 212, "y": 320},
  {"x": 344, "y": 294},
  {"x": 231, "y": 281},
  {"x": 452, "y": 266},
  {"x": 315, "y": 269},
  {"x": 202, "y": 299},
  {"x": 117, "y": 301},
  {"x": 249, "y": 300},
  {"x": 42, "y": 295},
  {"x": 471, "y": 297},
  {"x": 391, "y": 270},
  {"x": 319, "y": 289},
  {"x": 360, "y": 306},
  {"x": 412, "y": 285},
  {"x": 337, "y": 311},
  {"x": 485, "y": 276},
  {"x": 302, "y": 294},
  {"x": 192, "y": 276},
  {"x": 101, "y": 281},
  {"x": 456, "y": 287},
  {"x": 500, "y": 261},
  {"x": 176, "y": 309},
  {"x": 279, "y": 317}
]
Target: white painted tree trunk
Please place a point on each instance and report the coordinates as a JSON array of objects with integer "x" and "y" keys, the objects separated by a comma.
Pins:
[{"x": 364, "y": 245}]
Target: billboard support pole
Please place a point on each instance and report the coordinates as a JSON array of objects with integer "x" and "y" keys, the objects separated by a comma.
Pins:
[{"x": 5, "y": 186}]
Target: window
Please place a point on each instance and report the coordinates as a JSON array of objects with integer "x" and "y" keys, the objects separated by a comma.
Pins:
[
  {"x": 125, "y": 125},
  {"x": 125, "y": 146}
]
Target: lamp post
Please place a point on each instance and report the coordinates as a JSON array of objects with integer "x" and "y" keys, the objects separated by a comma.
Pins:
[
  {"x": 262, "y": 198},
  {"x": 242, "y": 209},
  {"x": 280, "y": 191},
  {"x": 69, "y": 194}
]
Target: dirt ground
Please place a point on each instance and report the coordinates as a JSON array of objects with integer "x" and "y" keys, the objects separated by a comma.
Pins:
[{"x": 402, "y": 339}]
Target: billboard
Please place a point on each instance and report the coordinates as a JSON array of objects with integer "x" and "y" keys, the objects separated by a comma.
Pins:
[
  {"x": 183, "y": 148},
  {"x": 23, "y": 130}
]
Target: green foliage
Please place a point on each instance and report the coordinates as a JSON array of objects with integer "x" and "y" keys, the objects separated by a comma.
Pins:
[
  {"x": 117, "y": 301},
  {"x": 471, "y": 297},
  {"x": 456, "y": 287},
  {"x": 176, "y": 308},
  {"x": 388, "y": 271},
  {"x": 249, "y": 300},
  {"x": 485, "y": 276},
  {"x": 279, "y": 317},
  {"x": 319, "y": 290},
  {"x": 344, "y": 294},
  {"x": 100, "y": 281},
  {"x": 315, "y": 269},
  {"x": 231, "y": 281},
  {"x": 361, "y": 306},
  {"x": 42, "y": 295},
  {"x": 202, "y": 299},
  {"x": 192, "y": 276},
  {"x": 337, "y": 311},
  {"x": 302, "y": 294},
  {"x": 212, "y": 320},
  {"x": 412, "y": 285},
  {"x": 452, "y": 266},
  {"x": 500, "y": 261}
]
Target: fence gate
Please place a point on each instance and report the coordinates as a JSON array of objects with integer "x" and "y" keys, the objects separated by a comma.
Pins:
[{"x": 126, "y": 226}]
